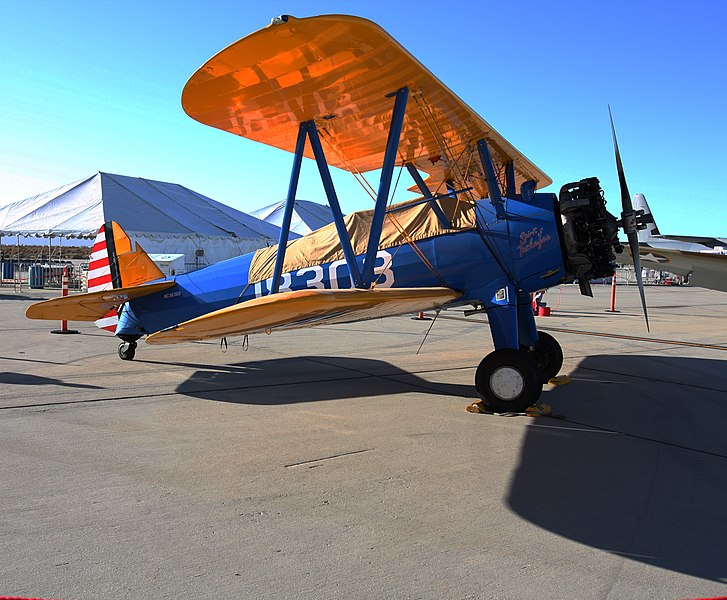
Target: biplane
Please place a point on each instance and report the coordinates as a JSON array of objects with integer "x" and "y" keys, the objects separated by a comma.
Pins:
[{"x": 341, "y": 91}]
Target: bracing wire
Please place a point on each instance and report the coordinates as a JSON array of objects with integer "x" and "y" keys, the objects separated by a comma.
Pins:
[
  {"x": 441, "y": 140},
  {"x": 428, "y": 330},
  {"x": 494, "y": 250},
  {"x": 354, "y": 171}
]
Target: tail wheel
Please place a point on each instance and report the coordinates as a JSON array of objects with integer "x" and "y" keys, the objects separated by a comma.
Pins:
[
  {"x": 547, "y": 354},
  {"x": 127, "y": 350},
  {"x": 508, "y": 380}
]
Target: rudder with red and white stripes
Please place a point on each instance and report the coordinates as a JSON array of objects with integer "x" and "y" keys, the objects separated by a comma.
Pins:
[
  {"x": 116, "y": 262},
  {"x": 99, "y": 267},
  {"x": 100, "y": 277}
]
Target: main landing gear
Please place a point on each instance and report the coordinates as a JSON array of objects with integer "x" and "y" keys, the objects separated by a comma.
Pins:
[
  {"x": 547, "y": 354},
  {"x": 127, "y": 350},
  {"x": 510, "y": 380}
]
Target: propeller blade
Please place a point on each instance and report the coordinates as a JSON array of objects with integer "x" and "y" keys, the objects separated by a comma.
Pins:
[
  {"x": 628, "y": 221},
  {"x": 634, "y": 246},
  {"x": 626, "y": 205}
]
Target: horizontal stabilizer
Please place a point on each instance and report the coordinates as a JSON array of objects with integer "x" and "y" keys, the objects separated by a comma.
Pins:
[
  {"x": 91, "y": 306},
  {"x": 305, "y": 308}
]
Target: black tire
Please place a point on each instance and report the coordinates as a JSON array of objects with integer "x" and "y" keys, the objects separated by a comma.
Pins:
[
  {"x": 508, "y": 381},
  {"x": 127, "y": 350},
  {"x": 547, "y": 354}
]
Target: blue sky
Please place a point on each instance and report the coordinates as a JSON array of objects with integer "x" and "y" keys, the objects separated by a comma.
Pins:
[{"x": 95, "y": 86}]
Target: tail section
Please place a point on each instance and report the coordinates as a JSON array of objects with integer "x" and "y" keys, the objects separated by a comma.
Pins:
[
  {"x": 648, "y": 219},
  {"x": 99, "y": 266},
  {"x": 115, "y": 263},
  {"x": 117, "y": 274}
]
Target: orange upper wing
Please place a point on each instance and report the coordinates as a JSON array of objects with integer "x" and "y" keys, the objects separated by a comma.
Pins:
[
  {"x": 305, "y": 308},
  {"x": 338, "y": 70}
]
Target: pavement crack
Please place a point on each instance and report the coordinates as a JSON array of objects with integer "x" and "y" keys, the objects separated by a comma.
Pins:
[{"x": 332, "y": 457}]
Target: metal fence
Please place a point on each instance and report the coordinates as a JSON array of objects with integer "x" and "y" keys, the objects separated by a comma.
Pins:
[
  {"x": 28, "y": 274},
  {"x": 44, "y": 275}
]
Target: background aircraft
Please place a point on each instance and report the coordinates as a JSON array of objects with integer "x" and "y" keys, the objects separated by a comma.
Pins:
[
  {"x": 703, "y": 259},
  {"x": 340, "y": 90}
]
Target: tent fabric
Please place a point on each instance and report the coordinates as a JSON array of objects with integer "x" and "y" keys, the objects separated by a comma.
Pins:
[
  {"x": 162, "y": 217},
  {"x": 307, "y": 216}
]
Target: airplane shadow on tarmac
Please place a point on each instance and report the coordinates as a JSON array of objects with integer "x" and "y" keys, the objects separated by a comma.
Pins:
[
  {"x": 639, "y": 465},
  {"x": 24, "y": 297},
  {"x": 300, "y": 379},
  {"x": 27, "y": 379}
]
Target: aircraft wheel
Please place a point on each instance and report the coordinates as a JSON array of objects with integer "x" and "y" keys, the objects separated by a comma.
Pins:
[
  {"x": 547, "y": 354},
  {"x": 508, "y": 380},
  {"x": 127, "y": 350}
]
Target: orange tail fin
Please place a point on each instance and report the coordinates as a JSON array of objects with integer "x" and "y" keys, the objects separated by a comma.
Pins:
[{"x": 115, "y": 263}]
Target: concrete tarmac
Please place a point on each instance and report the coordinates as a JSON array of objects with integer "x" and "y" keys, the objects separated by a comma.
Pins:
[{"x": 338, "y": 463}]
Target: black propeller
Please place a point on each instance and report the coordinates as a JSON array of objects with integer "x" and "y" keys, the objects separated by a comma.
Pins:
[{"x": 629, "y": 221}]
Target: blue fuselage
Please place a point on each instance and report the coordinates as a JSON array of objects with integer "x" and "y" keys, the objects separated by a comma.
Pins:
[{"x": 496, "y": 265}]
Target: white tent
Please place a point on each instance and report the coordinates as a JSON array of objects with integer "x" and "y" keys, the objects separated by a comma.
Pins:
[
  {"x": 163, "y": 217},
  {"x": 307, "y": 216}
]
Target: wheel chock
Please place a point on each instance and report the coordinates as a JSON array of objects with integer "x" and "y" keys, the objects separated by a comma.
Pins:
[
  {"x": 560, "y": 380},
  {"x": 538, "y": 410}
]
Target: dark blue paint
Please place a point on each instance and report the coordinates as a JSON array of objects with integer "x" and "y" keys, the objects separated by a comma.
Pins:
[
  {"x": 426, "y": 192},
  {"x": 290, "y": 203},
  {"x": 387, "y": 172},
  {"x": 489, "y": 172},
  {"x": 330, "y": 190}
]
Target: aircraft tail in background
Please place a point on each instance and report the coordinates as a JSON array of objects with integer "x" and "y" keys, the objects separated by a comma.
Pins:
[
  {"x": 651, "y": 229},
  {"x": 703, "y": 259}
]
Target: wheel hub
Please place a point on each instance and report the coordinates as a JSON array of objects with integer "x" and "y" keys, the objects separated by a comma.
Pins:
[{"x": 507, "y": 383}]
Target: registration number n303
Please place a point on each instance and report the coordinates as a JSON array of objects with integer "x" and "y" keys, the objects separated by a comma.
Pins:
[{"x": 332, "y": 276}]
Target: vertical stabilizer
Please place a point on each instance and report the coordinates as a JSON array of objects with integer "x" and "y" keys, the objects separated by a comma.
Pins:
[
  {"x": 99, "y": 266},
  {"x": 648, "y": 219},
  {"x": 117, "y": 262}
]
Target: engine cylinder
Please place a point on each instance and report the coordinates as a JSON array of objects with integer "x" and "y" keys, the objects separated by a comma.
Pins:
[{"x": 590, "y": 232}]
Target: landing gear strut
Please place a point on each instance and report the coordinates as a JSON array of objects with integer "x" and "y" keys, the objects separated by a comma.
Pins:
[
  {"x": 509, "y": 380},
  {"x": 127, "y": 350},
  {"x": 547, "y": 354}
]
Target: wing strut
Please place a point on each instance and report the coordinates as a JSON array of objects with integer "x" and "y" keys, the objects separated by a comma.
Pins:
[
  {"x": 510, "y": 190},
  {"x": 289, "y": 205},
  {"x": 387, "y": 171},
  {"x": 492, "y": 185},
  {"x": 424, "y": 189},
  {"x": 307, "y": 129},
  {"x": 348, "y": 253}
]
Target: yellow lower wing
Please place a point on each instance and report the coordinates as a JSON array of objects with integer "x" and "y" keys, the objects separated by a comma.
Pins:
[
  {"x": 305, "y": 308},
  {"x": 91, "y": 306}
]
